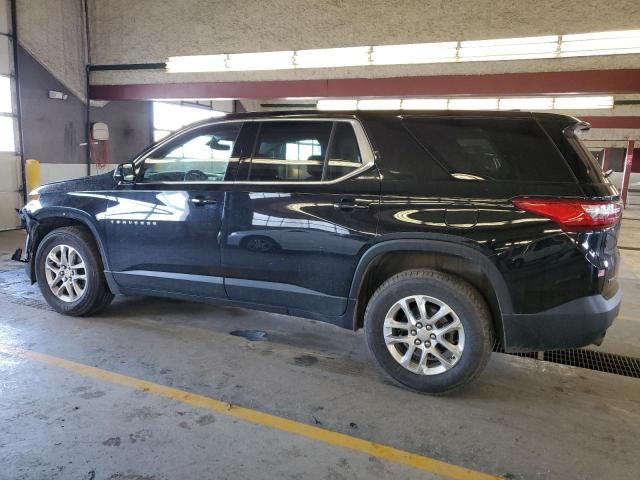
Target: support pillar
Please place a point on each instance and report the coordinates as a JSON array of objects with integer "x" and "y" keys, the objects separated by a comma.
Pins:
[
  {"x": 606, "y": 158},
  {"x": 628, "y": 163}
]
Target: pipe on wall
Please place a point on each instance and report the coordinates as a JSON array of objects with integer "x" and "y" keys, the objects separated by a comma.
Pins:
[
  {"x": 16, "y": 76},
  {"x": 87, "y": 46}
]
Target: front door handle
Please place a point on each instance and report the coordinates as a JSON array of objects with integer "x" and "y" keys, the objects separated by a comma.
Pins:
[
  {"x": 200, "y": 201},
  {"x": 350, "y": 204}
]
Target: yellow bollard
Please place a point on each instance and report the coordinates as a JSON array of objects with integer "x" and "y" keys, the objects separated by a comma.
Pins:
[{"x": 32, "y": 174}]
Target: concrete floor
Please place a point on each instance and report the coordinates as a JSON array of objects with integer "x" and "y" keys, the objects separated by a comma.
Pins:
[{"x": 522, "y": 419}]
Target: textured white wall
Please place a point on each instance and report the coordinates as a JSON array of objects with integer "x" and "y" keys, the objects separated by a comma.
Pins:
[
  {"x": 124, "y": 31},
  {"x": 52, "y": 31}
]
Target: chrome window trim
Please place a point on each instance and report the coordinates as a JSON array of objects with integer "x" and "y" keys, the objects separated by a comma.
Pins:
[{"x": 366, "y": 151}]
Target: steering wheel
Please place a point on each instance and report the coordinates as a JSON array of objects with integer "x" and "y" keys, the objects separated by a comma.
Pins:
[{"x": 195, "y": 175}]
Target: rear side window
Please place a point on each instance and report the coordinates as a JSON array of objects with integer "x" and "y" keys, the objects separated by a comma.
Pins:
[
  {"x": 344, "y": 154},
  {"x": 302, "y": 151},
  {"x": 496, "y": 149},
  {"x": 290, "y": 151}
]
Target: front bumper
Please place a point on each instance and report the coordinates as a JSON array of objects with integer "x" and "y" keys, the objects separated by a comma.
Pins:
[{"x": 573, "y": 324}]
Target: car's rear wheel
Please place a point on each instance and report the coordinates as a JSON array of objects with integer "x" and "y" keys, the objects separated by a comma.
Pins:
[
  {"x": 429, "y": 331},
  {"x": 70, "y": 274}
]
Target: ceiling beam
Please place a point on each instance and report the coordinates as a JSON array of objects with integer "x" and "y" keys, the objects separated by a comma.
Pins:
[{"x": 580, "y": 82}]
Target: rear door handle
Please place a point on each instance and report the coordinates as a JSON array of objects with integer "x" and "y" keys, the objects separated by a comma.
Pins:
[
  {"x": 350, "y": 204},
  {"x": 200, "y": 201}
]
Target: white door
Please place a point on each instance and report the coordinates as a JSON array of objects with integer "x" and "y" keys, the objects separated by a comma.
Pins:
[{"x": 10, "y": 165}]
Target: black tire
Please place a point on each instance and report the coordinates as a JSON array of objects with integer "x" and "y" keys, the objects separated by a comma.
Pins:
[
  {"x": 467, "y": 304},
  {"x": 96, "y": 295}
]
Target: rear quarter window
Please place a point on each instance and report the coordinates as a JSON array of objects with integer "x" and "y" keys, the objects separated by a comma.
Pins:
[
  {"x": 498, "y": 149},
  {"x": 582, "y": 162}
]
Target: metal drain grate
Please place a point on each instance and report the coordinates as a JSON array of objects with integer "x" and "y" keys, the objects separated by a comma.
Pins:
[
  {"x": 600, "y": 361},
  {"x": 582, "y": 358},
  {"x": 497, "y": 347}
]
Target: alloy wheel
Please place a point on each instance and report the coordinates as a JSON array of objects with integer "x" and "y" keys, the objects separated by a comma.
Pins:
[
  {"x": 66, "y": 273},
  {"x": 424, "y": 335}
]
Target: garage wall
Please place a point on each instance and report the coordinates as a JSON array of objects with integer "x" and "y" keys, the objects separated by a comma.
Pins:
[
  {"x": 52, "y": 56},
  {"x": 53, "y": 129},
  {"x": 153, "y": 29},
  {"x": 52, "y": 31},
  {"x": 130, "y": 128}
]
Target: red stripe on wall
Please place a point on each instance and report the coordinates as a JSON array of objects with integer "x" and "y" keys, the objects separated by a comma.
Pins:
[
  {"x": 588, "y": 81},
  {"x": 613, "y": 122}
]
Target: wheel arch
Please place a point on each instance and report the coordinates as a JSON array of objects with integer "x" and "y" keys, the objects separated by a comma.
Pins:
[
  {"x": 53, "y": 218},
  {"x": 389, "y": 257}
]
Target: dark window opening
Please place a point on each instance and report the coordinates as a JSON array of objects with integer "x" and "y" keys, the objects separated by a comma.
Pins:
[
  {"x": 344, "y": 154},
  {"x": 491, "y": 149},
  {"x": 581, "y": 161},
  {"x": 300, "y": 151}
]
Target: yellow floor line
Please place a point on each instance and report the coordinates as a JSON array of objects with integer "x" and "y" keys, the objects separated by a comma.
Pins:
[{"x": 278, "y": 423}]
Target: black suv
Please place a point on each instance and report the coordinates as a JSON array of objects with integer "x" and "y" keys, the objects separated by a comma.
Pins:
[{"x": 437, "y": 232}]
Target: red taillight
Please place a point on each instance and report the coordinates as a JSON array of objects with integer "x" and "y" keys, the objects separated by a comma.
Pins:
[{"x": 573, "y": 215}]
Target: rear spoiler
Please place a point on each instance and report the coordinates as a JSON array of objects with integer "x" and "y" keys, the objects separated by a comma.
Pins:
[{"x": 579, "y": 126}]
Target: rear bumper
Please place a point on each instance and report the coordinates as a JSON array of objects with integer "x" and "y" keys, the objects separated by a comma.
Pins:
[{"x": 573, "y": 324}]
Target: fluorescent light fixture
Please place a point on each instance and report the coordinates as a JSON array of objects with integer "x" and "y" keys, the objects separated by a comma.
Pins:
[
  {"x": 379, "y": 104},
  {"x": 567, "y": 102},
  {"x": 473, "y": 104},
  {"x": 332, "y": 57},
  {"x": 508, "y": 49},
  {"x": 600, "y": 43},
  {"x": 583, "y": 102},
  {"x": 505, "y": 42},
  {"x": 424, "y": 104},
  {"x": 548, "y": 46},
  {"x": 261, "y": 61},
  {"x": 620, "y": 34},
  {"x": 330, "y": 104},
  {"x": 198, "y": 63},
  {"x": 414, "y": 53},
  {"x": 525, "y": 103}
]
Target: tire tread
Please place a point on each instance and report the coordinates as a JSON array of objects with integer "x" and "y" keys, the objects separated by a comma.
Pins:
[
  {"x": 102, "y": 295},
  {"x": 461, "y": 286}
]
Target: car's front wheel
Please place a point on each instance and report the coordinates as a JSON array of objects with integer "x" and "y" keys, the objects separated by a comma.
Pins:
[
  {"x": 429, "y": 331},
  {"x": 70, "y": 274}
]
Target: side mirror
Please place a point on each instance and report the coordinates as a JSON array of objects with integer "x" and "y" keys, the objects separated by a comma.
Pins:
[{"x": 125, "y": 173}]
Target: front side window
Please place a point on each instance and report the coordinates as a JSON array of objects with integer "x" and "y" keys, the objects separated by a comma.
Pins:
[
  {"x": 302, "y": 151},
  {"x": 199, "y": 156}
]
